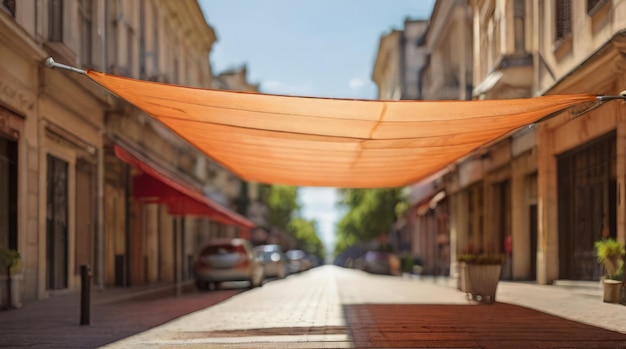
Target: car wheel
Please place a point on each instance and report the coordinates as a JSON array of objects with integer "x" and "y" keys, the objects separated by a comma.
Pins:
[
  {"x": 202, "y": 285},
  {"x": 213, "y": 286},
  {"x": 257, "y": 279},
  {"x": 282, "y": 273}
]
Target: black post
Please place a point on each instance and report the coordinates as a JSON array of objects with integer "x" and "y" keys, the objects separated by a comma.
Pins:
[{"x": 85, "y": 294}]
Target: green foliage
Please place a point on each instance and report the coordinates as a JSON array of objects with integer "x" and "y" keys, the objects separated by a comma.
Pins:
[
  {"x": 370, "y": 212},
  {"x": 283, "y": 205},
  {"x": 483, "y": 258},
  {"x": 343, "y": 242},
  {"x": 610, "y": 254},
  {"x": 285, "y": 215},
  {"x": 406, "y": 264},
  {"x": 10, "y": 259},
  {"x": 305, "y": 231}
]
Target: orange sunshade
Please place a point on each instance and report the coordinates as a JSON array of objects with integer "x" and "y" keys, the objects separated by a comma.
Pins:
[{"x": 330, "y": 142}]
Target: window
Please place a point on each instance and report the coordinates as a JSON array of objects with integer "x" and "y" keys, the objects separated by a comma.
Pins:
[
  {"x": 475, "y": 213},
  {"x": 9, "y": 6},
  {"x": 593, "y": 6},
  {"x": 155, "y": 49},
  {"x": 518, "y": 22},
  {"x": 55, "y": 20},
  {"x": 175, "y": 73},
  {"x": 142, "y": 40},
  {"x": 86, "y": 26},
  {"x": 57, "y": 224},
  {"x": 563, "y": 19},
  {"x": 8, "y": 193},
  {"x": 130, "y": 50}
]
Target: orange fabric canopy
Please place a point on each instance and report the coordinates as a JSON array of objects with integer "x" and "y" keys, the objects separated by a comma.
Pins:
[{"x": 346, "y": 143}]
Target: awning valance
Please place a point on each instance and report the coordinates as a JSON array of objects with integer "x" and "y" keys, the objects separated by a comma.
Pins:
[
  {"x": 331, "y": 142},
  {"x": 152, "y": 185}
]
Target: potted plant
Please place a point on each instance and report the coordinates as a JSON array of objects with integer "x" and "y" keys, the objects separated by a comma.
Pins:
[
  {"x": 479, "y": 275},
  {"x": 610, "y": 255},
  {"x": 10, "y": 267},
  {"x": 406, "y": 265}
]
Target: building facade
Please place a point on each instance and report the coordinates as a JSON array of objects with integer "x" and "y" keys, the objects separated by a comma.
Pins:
[
  {"x": 399, "y": 61},
  {"x": 73, "y": 156},
  {"x": 552, "y": 187},
  {"x": 543, "y": 194}
]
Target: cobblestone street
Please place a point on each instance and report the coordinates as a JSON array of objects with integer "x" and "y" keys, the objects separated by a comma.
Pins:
[
  {"x": 331, "y": 307},
  {"x": 327, "y": 307}
]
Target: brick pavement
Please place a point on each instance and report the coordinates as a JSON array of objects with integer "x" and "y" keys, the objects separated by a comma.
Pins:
[
  {"x": 337, "y": 308},
  {"x": 465, "y": 326},
  {"x": 115, "y": 314},
  {"x": 326, "y": 308}
]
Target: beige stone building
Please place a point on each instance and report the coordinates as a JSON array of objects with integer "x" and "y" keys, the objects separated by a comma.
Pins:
[
  {"x": 549, "y": 189},
  {"x": 73, "y": 156},
  {"x": 446, "y": 75},
  {"x": 399, "y": 61},
  {"x": 543, "y": 194}
]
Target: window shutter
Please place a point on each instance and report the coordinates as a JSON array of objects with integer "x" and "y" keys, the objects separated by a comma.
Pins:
[
  {"x": 593, "y": 6},
  {"x": 55, "y": 20},
  {"x": 9, "y": 6},
  {"x": 563, "y": 19}
]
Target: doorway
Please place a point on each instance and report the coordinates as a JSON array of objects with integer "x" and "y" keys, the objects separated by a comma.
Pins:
[
  {"x": 532, "y": 214},
  {"x": 85, "y": 214},
  {"x": 8, "y": 194},
  {"x": 57, "y": 224},
  {"x": 587, "y": 205}
]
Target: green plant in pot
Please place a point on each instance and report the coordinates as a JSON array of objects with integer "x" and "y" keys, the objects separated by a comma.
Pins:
[
  {"x": 10, "y": 265},
  {"x": 479, "y": 275},
  {"x": 610, "y": 254}
]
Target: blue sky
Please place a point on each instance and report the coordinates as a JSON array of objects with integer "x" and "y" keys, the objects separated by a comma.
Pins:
[{"x": 320, "y": 48}]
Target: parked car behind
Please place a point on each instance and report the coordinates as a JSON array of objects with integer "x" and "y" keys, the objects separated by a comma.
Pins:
[
  {"x": 298, "y": 261},
  {"x": 378, "y": 262},
  {"x": 232, "y": 260},
  {"x": 273, "y": 259}
]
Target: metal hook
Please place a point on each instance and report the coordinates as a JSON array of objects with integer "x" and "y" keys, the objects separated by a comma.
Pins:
[
  {"x": 622, "y": 96},
  {"x": 52, "y": 64}
]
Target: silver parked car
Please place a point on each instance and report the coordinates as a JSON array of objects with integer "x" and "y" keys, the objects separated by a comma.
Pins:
[
  {"x": 298, "y": 261},
  {"x": 273, "y": 259},
  {"x": 232, "y": 260}
]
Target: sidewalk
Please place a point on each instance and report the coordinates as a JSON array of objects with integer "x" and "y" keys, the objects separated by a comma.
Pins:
[
  {"x": 321, "y": 305},
  {"x": 331, "y": 307},
  {"x": 116, "y": 313},
  {"x": 572, "y": 300}
]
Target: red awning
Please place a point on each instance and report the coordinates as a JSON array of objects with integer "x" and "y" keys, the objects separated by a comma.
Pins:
[{"x": 154, "y": 186}]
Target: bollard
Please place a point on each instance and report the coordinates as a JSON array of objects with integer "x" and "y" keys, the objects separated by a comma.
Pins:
[{"x": 85, "y": 294}]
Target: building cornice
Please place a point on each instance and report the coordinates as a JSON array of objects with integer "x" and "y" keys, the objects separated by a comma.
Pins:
[
  {"x": 612, "y": 51},
  {"x": 194, "y": 22},
  {"x": 387, "y": 43},
  {"x": 18, "y": 39}
]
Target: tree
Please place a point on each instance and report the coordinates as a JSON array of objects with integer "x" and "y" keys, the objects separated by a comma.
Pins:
[
  {"x": 283, "y": 205},
  {"x": 285, "y": 215},
  {"x": 371, "y": 212},
  {"x": 305, "y": 231}
]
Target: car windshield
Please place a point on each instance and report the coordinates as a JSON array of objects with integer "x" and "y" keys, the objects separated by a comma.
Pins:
[
  {"x": 297, "y": 254},
  {"x": 220, "y": 249}
]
